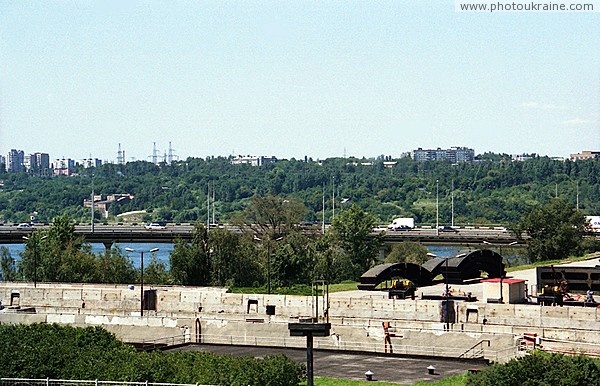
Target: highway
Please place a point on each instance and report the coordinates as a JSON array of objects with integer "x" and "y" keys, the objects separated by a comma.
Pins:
[{"x": 118, "y": 233}]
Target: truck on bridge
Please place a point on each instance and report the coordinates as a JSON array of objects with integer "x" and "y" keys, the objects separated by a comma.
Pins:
[{"x": 402, "y": 223}]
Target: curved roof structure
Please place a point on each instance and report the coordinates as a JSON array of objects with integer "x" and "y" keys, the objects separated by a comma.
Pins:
[
  {"x": 380, "y": 273},
  {"x": 462, "y": 266},
  {"x": 466, "y": 265}
]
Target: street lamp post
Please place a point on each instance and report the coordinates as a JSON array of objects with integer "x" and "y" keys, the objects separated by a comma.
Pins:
[
  {"x": 268, "y": 260},
  {"x": 437, "y": 207},
  {"x": 447, "y": 293},
  {"x": 452, "y": 195},
  {"x": 34, "y": 241},
  {"x": 142, "y": 275},
  {"x": 92, "y": 203}
]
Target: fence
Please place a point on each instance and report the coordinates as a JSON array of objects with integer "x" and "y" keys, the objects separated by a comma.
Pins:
[
  {"x": 76, "y": 382},
  {"x": 373, "y": 347}
]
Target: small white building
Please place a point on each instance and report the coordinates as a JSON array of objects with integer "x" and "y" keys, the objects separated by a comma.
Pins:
[{"x": 504, "y": 290}]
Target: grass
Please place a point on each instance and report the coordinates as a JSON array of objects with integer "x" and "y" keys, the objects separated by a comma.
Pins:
[
  {"x": 349, "y": 285},
  {"x": 297, "y": 289},
  {"x": 457, "y": 380},
  {"x": 552, "y": 262}
]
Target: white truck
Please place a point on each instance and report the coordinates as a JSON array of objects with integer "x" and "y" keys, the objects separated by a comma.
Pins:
[
  {"x": 593, "y": 223},
  {"x": 402, "y": 223}
]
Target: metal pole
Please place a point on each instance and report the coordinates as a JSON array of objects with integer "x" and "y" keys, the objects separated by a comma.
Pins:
[
  {"x": 437, "y": 207},
  {"x": 92, "y": 203},
  {"x": 142, "y": 286},
  {"x": 269, "y": 265},
  {"x": 333, "y": 200},
  {"x": 577, "y": 198},
  {"x": 453, "y": 202},
  {"x": 501, "y": 277},
  {"x": 309, "y": 360},
  {"x": 447, "y": 293},
  {"x": 34, "y": 263},
  {"x": 323, "y": 227},
  {"x": 208, "y": 206}
]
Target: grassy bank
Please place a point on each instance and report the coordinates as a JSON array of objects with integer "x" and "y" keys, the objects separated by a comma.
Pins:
[{"x": 457, "y": 380}]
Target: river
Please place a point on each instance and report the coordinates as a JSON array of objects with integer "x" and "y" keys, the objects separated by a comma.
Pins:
[{"x": 512, "y": 255}]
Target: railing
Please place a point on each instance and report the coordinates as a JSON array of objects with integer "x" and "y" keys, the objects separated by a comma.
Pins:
[
  {"x": 331, "y": 343},
  {"x": 153, "y": 344},
  {"x": 476, "y": 351},
  {"x": 78, "y": 382}
]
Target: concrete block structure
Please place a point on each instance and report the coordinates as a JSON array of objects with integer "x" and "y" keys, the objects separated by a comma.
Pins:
[{"x": 211, "y": 315}]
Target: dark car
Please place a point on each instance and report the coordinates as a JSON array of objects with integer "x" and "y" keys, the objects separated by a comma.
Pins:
[{"x": 447, "y": 228}]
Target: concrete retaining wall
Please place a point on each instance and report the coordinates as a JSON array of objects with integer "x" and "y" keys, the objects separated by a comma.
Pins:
[{"x": 215, "y": 316}]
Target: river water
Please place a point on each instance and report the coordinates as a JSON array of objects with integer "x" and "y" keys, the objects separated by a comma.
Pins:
[{"x": 511, "y": 255}]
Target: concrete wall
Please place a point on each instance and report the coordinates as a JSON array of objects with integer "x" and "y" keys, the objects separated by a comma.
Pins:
[{"x": 219, "y": 317}]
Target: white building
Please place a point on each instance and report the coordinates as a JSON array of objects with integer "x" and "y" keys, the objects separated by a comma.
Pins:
[{"x": 253, "y": 160}]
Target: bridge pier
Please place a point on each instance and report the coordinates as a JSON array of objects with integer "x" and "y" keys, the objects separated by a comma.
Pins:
[{"x": 108, "y": 244}]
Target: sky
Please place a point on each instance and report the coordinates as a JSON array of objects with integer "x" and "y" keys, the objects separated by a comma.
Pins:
[{"x": 294, "y": 78}]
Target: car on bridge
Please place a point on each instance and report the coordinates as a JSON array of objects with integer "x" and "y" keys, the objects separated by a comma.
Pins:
[
  {"x": 25, "y": 225},
  {"x": 447, "y": 228},
  {"x": 154, "y": 226}
]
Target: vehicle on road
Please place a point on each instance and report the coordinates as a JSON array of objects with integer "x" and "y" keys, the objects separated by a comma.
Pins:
[
  {"x": 154, "y": 226},
  {"x": 402, "y": 223},
  {"x": 400, "y": 228},
  {"x": 593, "y": 223},
  {"x": 447, "y": 228},
  {"x": 25, "y": 225}
]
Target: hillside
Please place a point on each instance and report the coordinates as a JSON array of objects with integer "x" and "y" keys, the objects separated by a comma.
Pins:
[{"x": 494, "y": 191}]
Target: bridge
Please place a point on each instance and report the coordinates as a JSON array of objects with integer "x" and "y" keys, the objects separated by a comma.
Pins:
[{"x": 127, "y": 233}]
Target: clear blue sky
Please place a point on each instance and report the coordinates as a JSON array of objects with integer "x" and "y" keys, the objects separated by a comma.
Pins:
[{"x": 294, "y": 78}]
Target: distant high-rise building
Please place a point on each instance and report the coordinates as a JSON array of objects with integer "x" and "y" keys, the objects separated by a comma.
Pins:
[
  {"x": 15, "y": 161},
  {"x": 254, "y": 161},
  {"x": 586, "y": 154},
  {"x": 90, "y": 162},
  {"x": 2, "y": 163},
  {"x": 454, "y": 154},
  {"x": 37, "y": 163},
  {"x": 64, "y": 167}
]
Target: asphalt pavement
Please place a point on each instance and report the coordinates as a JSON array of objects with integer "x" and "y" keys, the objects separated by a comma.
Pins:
[{"x": 344, "y": 365}]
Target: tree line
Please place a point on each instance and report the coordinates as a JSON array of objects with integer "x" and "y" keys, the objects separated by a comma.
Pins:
[
  {"x": 493, "y": 190},
  {"x": 271, "y": 249}
]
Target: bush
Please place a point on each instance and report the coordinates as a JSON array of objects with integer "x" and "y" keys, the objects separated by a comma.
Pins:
[
  {"x": 540, "y": 369},
  {"x": 62, "y": 352}
]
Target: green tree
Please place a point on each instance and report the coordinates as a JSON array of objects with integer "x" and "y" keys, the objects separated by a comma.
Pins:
[
  {"x": 293, "y": 262},
  {"x": 7, "y": 263},
  {"x": 540, "y": 369},
  {"x": 156, "y": 272},
  {"x": 407, "y": 252},
  {"x": 190, "y": 262},
  {"x": 272, "y": 216},
  {"x": 352, "y": 230},
  {"x": 555, "y": 229},
  {"x": 332, "y": 264},
  {"x": 113, "y": 266},
  {"x": 233, "y": 259},
  {"x": 59, "y": 255}
]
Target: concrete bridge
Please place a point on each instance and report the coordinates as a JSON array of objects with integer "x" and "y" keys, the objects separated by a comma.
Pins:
[{"x": 127, "y": 233}]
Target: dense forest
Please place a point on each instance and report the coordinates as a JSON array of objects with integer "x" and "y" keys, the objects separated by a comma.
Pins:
[{"x": 493, "y": 190}]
